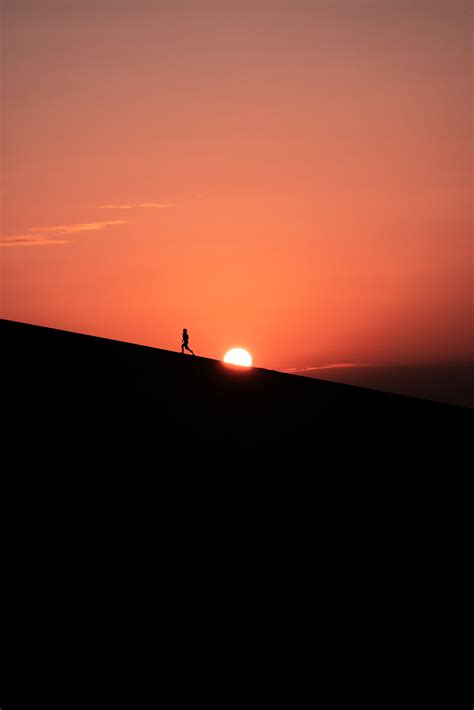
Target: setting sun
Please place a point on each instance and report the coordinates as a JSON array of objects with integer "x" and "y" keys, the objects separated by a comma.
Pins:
[{"x": 238, "y": 356}]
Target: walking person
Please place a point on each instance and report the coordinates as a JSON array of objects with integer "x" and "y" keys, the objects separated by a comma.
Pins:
[{"x": 184, "y": 344}]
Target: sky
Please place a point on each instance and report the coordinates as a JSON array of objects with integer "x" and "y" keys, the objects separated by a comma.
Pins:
[{"x": 294, "y": 178}]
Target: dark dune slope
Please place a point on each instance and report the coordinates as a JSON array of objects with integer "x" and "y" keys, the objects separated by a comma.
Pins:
[
  {"x": 117, "y": 541},
  {"x": 79, "y": 388}
]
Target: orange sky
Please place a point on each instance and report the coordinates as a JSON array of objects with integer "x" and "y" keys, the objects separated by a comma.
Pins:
[{"x": 290, "y": 177}]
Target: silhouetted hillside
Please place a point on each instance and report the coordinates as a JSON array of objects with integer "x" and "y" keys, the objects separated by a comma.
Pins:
[
  {"x": 114, "y": 530},
  {"x": 452, "y": 383},
  {"x": 89, "y": 391}
]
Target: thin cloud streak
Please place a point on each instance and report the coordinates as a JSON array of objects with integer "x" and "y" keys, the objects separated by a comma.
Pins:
[
  {"x": 133, "y": 205},
  {"x": 39, "y": 240},
  {"x": 330, "y": 366},
  {"x": 80, "y": 227},
  {"x": 30, "y": 241}
]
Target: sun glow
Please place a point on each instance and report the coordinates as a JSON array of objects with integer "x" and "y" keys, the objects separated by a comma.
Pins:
[{"x": 238, "y": 356}]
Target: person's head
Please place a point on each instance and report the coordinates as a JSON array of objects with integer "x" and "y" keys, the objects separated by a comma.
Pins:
[{"x": 185, "y": 330}]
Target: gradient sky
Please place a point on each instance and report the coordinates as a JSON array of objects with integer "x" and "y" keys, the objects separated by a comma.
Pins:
[{"x": 290, "y": 177}]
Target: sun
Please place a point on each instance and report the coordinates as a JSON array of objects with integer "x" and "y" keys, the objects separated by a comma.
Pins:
[{"x": 238, "y": 356}]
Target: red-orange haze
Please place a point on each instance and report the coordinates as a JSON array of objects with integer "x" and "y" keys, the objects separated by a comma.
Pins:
[{"x": 291, "y": 177}]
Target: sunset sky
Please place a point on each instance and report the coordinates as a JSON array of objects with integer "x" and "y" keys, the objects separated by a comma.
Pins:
[{"x": 294, "y": 178}]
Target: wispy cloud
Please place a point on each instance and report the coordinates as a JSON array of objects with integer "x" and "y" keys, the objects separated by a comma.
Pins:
[
  {"x": 330, "y": 366},
  {"x": 74, "y": 228},
  {"x": 30, "y": 241},
  {"x": 40, "y": 240},
  {"x": 133, "y": 205}
]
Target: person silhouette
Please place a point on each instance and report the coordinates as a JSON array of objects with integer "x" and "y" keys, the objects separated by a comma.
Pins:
[{"x": 184, "y": 344}]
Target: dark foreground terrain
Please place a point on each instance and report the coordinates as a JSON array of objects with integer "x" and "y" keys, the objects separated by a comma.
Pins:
[
  {"x": 63, "y": 388},
  {"x": 452, "y": 383},
  {"x": 330, "y": 534}
]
